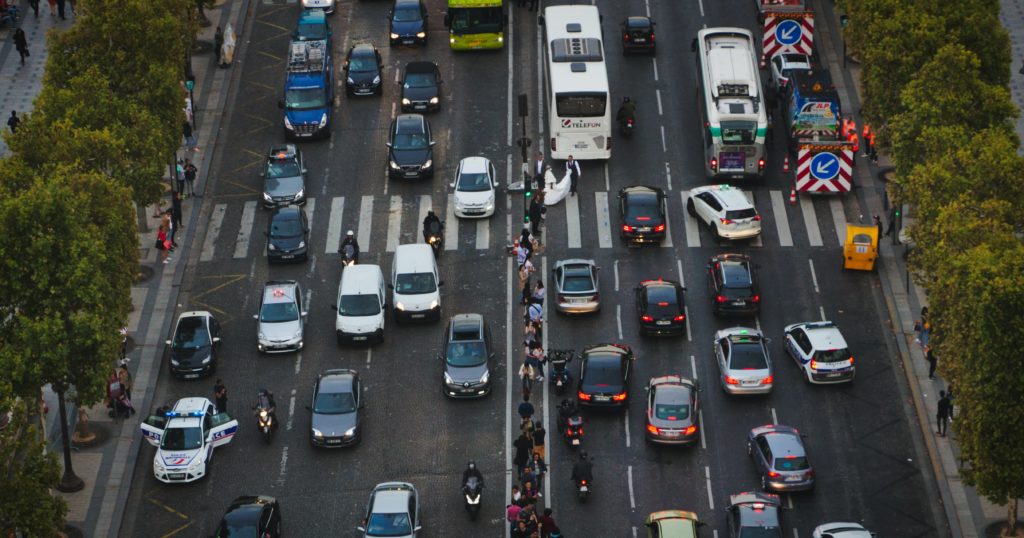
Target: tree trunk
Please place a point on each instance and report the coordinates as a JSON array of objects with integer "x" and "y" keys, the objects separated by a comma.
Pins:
[
  {"x": 70, "y": 481},
  {"x": 1011, "y": 518}
]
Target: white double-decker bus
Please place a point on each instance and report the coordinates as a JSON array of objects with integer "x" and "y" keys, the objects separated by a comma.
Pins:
[
  {"x": 730, "y": 97},
  {"x": 579, "y": 108}
]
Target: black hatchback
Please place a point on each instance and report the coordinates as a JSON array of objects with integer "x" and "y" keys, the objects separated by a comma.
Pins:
[
  {"x": 638, "y": 35},
  {"x": 604, "y": 376},
  {"x": 287, "y": 235},
  {"x": 733, "y": 285},
  {"x": 410, "y": 144},
  {"x": 660, "y": 307},
  {"x": 251, "y": 515},
  {"x": 421, "y": 87},
  {"x": 363, "y": 70},
  {"x": 642, "y": 210}
]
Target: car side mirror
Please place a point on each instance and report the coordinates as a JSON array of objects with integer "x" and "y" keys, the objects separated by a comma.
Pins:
[
  {"x": 168, "y": 342},
  {"x": 441, "y": 283},
  {"x": 440, "y": 358},
  {"x": 391, "y": 286},
  {"x": 361, "y": 529},
  {"x": 491, "y": 355},
  {"x": 419, "y": 528},
  {"x": 280, "y": 103},
  {"x": 767, "y": 340},
  {"x": 432, "y": 143},
  {"x": 388, "y": 144},
  {"x": 334, "y": 307},
  {"x": 216, "y": 339},
  {"x": 304, "y": 170},
  {"x": 255, "y": 316},
  {"x": 452, "y": 185},
  {"x": 308, "y": 408},
  {"x": 304, "y": 314}
]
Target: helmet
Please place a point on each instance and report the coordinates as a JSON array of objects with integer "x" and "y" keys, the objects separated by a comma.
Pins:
[
  {"x": 583, "y": 455},
  {"x": 625, "y": 99},
  {"x": 430, "y": 212},
  {"x": 471, "y": 465},
  {"x": 350, "y": 234}
]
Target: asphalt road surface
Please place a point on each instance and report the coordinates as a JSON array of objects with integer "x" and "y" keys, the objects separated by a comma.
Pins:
[{"x": 858, "y": 435}]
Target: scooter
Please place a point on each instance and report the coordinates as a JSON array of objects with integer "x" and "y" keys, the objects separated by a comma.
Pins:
[
  {"x": 626, "y": 127},
  {"x": 348, "y": 256},
  {"x": 583, "y": 490},
  {"x": 265, "y": 421},
  {"x": 471, "y": 490},
  {"x": 435, "y": 237},
  {"x": 573, "y": 431},
  {"x": 560, "y": 375}
]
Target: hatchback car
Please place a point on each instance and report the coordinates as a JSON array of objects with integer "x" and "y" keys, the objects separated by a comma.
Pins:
[
  {"x": 194, "y": 344},
  {"x": 638, "y": 35},
  {"x": 785, "y": 64},
  {"x": 421, "y": 87},
  {"x": 744, "y": 365},
  {"x": 284, "y": 177},
  {"x": 475, "y": 184},
  {"x": 363, "y": 70},
  {"x": 282, "y": 320},
  {"x": 672, "y": 524},
  {"x": 334, "y": 418},
  {"x": 673, "y": 411},
  {"x": 312, "y": 26},
  {"x": 576, "y": 286},
  {"x": 754, "y": 514},
  {"x": 732, "y": 284},
  {"x": 287, "y": 235},
  {"x": 393, "y": 510},
  {"x": 251, "y": 515},
  {"x": 467, "y": 357},
  {"x": 409, "y": 148},
  {"x": 726, "y": 211},
  {"x": 407, "y": 23},
  {"x": 820, "y": 351},
  {"x": 780, "y": 458},
  {"x": 604, "y": 375},
  {"x": 642, "y": 210},
  {"x": 326, "y": 5},
  {"x": 842, "y": 530},
  {"x": 660, "y": 307}
]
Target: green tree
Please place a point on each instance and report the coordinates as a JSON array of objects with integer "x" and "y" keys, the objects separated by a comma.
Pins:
[{"x": 28, "y": 473}]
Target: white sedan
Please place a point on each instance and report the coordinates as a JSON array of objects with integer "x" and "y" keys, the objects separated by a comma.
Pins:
[
  {"x": 475, "y": 184},
  {"x": 842, "y": 530}
]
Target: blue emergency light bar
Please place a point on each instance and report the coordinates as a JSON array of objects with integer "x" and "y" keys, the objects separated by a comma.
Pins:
[{"x": 176, "y": 414}]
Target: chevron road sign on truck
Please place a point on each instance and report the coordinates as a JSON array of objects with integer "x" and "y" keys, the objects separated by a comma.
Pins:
[
  {"x": 825, "y": 167},
  {"x": 788, "y": 32}
]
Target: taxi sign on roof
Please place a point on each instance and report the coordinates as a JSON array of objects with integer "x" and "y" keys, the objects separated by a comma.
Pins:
[{"x": 278, "y": 292}]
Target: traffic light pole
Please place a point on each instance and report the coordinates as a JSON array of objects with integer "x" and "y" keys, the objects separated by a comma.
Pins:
[{"x": 524, "y": 146}]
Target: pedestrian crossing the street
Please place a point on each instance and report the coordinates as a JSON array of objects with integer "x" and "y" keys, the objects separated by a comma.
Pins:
[{"x": 584, "y": 222}]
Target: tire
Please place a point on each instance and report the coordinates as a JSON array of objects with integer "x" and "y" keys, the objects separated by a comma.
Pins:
[{"x": 690, "y": 209}]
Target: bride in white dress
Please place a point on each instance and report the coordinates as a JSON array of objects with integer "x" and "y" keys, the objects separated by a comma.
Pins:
[{"x": 555, "y": 190}]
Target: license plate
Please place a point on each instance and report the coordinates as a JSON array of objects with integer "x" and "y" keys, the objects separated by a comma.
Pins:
[
  {"x": 644, "y": 229},
  {"x": 420, "y": 107},
  {"x": 418, "y": 316},
  {"x": 577, "y": 301},
  {"x": 575, "y": 442},
  {"x": 601, "y": 398},
  {"x": 174, "y": 476},
  {"x": 287, "y": 256},
  {"x": 333, "y": 441},
  {"x": 739, "y": 303},
  {"x": 407, "y": 41},
  {"x": 359, "y": 338},
  {"x": 191, "y": 376},
  {"x": 793, "y": 478},
  {"x": 670, "y": 433},
  {"x": 640, "y": 40},
  {"x": 664, "y": 322},
  {"x": 834, "y": 374},
  {"x": 750, "y": 383},
  {"x": 581, "y": 145}
]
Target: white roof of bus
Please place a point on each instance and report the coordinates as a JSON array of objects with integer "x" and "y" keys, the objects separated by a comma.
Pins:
[{"x": 562, "y": 78}]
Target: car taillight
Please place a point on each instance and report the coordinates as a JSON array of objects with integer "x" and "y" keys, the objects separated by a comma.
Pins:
[
  {"x": 554, "y": 147},
  {"x": 646, "y": 318},
  {"x": 596, "y": 297},
  {"x": 562, "y": 298},
  {"x": 627, "y": 228},
  {"x": 760, "y": 165},
  {"x": 756, "y": 299},
  {"x": 689, "y": 430},
  {"x": 583, "y": 482},
  {"x": 721, "y": 299},
  {"x": 726, "y": 221},
  {"x": 814, "y": 365},
  {"x": 768, "y": 380},
  {"x": 757, "y": 217},
  {"x": 625, "y": 37},
  {"x": 652, "y": 428},
  {"x": 851, "y": 360},
  {"x": 809, "y": 473},
  {"x": 652, "y": 36},
  {"x": 629, "y": 122},
  {"x": 619, "y": 397},
  {"x": 773, "y": 474},
  {"x": 583, "y": 396},
  {"x": 714, "y": 164},
  {"x": 659, "y": 228},
  {"x": 680, "y": 317},
  {"x": 729, "y": 380}
]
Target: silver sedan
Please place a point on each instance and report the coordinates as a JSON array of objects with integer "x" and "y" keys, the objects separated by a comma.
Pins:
[
  {"x": 743, "y": 361},
  {"x": 576, "y": 286}
]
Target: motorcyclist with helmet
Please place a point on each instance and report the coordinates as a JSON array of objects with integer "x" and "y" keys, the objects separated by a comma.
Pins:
[
  {"x": 472, "y": 472},
  {"x": 265, "y": 401},
  {"x": 627, "y": 111},
  {"x": 583, "y": 469},
  {"x": 431, "y": 226},
  {"x": 350, "y": 239}
]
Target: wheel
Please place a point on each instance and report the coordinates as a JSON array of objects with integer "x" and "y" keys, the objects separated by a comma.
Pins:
[
  {"x": 714, "y": 233},
  {"x": 690, "y": 209}
]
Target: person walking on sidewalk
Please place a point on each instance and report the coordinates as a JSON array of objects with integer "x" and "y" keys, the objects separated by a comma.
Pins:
[
  {"x": 21, "y": 43},
  {"x": 162, "y": 244},
  {"x": 34, "y": 4},
  {"x": 190, "y": 177},
  {"x": 190, "y": 138},
  {"x": 220, "y": 392},
  {"x": 14, "y": 121},
  {"x": 218, "y": 44},
  {"x": 175, "y": 215},
  {"x": 924, "y": 327},
  {"x": 943, "y": 412},
  {"x": 932, "y": 361},
  {"x": 60, "y": 9}
]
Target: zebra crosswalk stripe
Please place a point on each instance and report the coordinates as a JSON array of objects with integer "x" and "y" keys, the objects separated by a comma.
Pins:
[
  {"x": 483, "y": 234},
  {"x": 334, "y": 225},
  {"x": 451, "y": 225},
  {"x": 426, "y": 204},
  {"x": 212, "y": 231},
  {"x": 835, "y": 204},
  {"x": 572, "y": 221},
  {"x": 756, "y": 241},
  {"x": 692, "y": 227},
  {"x": 365, "y": 223},
  {"x": 394, "y": 223},
  {"x": 604, "y": 221},
  {"x": 781, "y": 219},
  {"x": 245, "y": 230},
  {"x": 810, "y": 221}
]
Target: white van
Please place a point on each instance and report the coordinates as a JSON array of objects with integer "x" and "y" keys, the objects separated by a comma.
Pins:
[
  {"x": 415, "y": 283},
  {"x": 360, "y": 305}
]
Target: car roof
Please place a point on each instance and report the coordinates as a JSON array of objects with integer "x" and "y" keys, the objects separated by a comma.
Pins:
[
  {"x": 421, "y": 67},
  {"x": 671, "y": 379},
  {"x": 410, "y": 123},
  {"x": 740, "y": 334},
  {"x": 413, "y": 258},
  {"x": 313, "y": 15},
  {"x": 673, "y": 392},
  {"x": 360, "y": 279},
  {"x": 785, "y": 444},
  {"x": 466, "y": 323},
  {"x": 658, "y": 283},
  {"x": 606, "y": 349},
  {"x": 824, "y": 335},
  {"x": 734, "y": 271},
  {"x": 566, "y": 264},
  {"x": 392, "y": 497},
  {"x": 193, "y": 404},
  {"x": 792, "y": 60},
  {"x": 279, "y": 291},
  {"x": 281, "y": 152},
  {"x": 337, "y": 380},
  {"x": 638, "y": 21},
  {"x": 474, "y": 165},
  {"x": 286, "y": 213},
  {"x": 194, "y": 314},
  {"x": 406, "y": 3},
  {"x": 363, "y": 48},
  {"x": 641, "y": 190}
]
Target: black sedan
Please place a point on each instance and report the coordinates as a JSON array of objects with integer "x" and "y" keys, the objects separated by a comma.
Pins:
[
  {"x": 407, "y": 23},
  {"x": 337, "y": 400},
  {"x": 251, "y": 515},
  {"x": 363, "y": 70},
  {"x": 638, "y": 35},
  {"x": 733, "y": 285},
  {"x": 604, "y": 375},
  {"x": 194, "y": 344},
  {"x": 421, "y": 87},
  {"x": 410, "y": 153},
  {"x": 660, "y": 307},
  {"x": 287, "y": 235},
  {"x": 467, "y": 357},
  {"x": 642, "y": 210}
]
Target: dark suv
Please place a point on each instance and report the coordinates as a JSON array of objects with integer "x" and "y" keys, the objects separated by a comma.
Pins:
[
  {"x": 409, "y": 148},
  {"x": 733, "y": 285}
]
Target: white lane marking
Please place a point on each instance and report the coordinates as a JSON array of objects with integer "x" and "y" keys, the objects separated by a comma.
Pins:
[
  {"x": 789, "y": 504},
  {"x": 667, "y": 242},
  {"x": 387, "y": 181},
  {"x": 291, "y": 410},
  {"x": 647, "y": 6},
  {"x": 604, "y": 220},
  {"x": 668, "y": 176},
  {"x": 634, "y": 532},
  {"x": 394, "y": 223},
  {"x": 781, "y": 219},
  {"x": 693, "y": 367},
  {"x": 707, "y": 478},
  {"x": 245, "y": 230},
  {"x": 572, "y": 221},
  {"x": 629, "y": 475},
  {"x": 618, "y": 319},
  {"x": 334, "y": 225},
  {"x": 796, "y": 533},
  {"x": 284, "y": 466},
  {"x": 756, "y": 241},
  {"x": 692, "y": 230},
  {"x": 810, "y": 221},
  {"x": 426, "y": 204},
  {"x": 607, "y": 179},
  {"x": 703, "y": 441},
  {"x": 615, "y": 269},
  {"x": 838, "y": 218},
  {"x": 626, "y": 428},
  {"x": 369, "y": 357},
  {"x": 216, "y": 221},
  {"x": 451, "y": 225},
  {"x": 655, "y": 64},
  {"x": 483, "y": 234},
  {"x": 701, "y": 4},
  {"x": 679, "y": 271},
  {"x": 814, "y": 276},
  {"x": 393, "y": 105},
  {"x": 310, "y": 211},
  {"x": 298, "y": 362},
  {"x": 821, "y": 310},
  {"x": 775, "y": 417},
  {"x": 657, "y": 93},
  {"x": 365, "y": 223},
  {"x": 664, "y": 144},
  {"x": 757, "y": 322},
  {"x": 686, "y": 312}
]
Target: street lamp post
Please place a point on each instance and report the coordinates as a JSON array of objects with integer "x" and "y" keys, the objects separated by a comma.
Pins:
[{"x": 524, "y": 145}]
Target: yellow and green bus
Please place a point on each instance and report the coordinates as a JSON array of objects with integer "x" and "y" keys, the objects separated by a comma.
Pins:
[{"x": 475, "y": 24}]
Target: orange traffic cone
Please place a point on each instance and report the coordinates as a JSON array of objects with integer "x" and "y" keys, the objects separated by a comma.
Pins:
[
  {"x": 792, "y": 196},
  {"x": 785, "y": 165}
]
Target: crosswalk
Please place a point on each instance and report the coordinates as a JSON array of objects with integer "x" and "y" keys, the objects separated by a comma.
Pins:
[{"x": 586, "y": 221}]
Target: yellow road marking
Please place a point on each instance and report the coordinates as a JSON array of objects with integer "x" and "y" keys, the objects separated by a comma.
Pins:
[
  {"x": 167, "y": 508},
  {"x": 176, "y": 531}
]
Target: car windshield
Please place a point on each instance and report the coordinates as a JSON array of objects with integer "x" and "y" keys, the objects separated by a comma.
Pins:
[
  {"x": 662, "y": 301},
  {"x": 747, "y": 355},
  {"x": 304, "y": 98},
  {"x": 359, "y": 305},
  {"x": 407, "y": 14},
  {"x": 279, "y": 312},
  {"x": 420, "y": 80},
  {"x": 740, "y": 214},
  {"x": 466, "y": 353},
  {"x": 474, "y": 182},
  {"x": 312, "y": 31},
  {"x": 672, "y": 411},
  {"x": 237, "y": 530},
  {"x": 738, "y": 132},
  {"x": 285, "y": 228},
  {"x": 182, "y": 438},
  {"x": 476, "y": 20},
  {"x": 278, "y": 168},
  {"x": 760, "y": 532},
  {"x": 415, "y": 283},
  {"x": 389, "y": 525},
  {"x": 642, "y": 207},
  {"x": 576, "y": 282},
  {"x": 792, "y": 463},
  {"x": 603, "y": 372},
  {"x": 191, "y": 334},
  {"x": 407, "y": 141},
  {"x": 832, "y": 355},
  {"x": 334, "y": 403},
  {"x": 362, "y": 65}
]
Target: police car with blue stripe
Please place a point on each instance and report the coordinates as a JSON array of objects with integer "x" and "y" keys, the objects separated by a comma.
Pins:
[
  {"x": 185, "y": 438},
  {"x": 820, "y": 351}
]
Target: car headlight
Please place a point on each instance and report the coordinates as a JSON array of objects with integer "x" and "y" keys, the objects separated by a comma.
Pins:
[
  {"x": 394, "y": 165},
  {"x": 196, "y": 463},
  {"x": 158, "y": 467},
  {"x": 399, "y": 305},
  {"x": 302, "y": 244},
  {"x": 298, "y": 334},
  {"x": 421, "y": 35},
  {"x": 350, "y": 432},
  {"x": 301, "y": 194},
  {"x": 376, "y": 79},
  {"x": 261, "y": 337},
  {"x": 268, "y": 197},
  {"x": 350, "y": 80},
  {"x": 451, "y": 40},
  {"x": 490, "y": 204},
  {"x": 486, "y": 377},
  {"x": 459, "y": 204},
  {"x": 208, "y": 359},
  {"x": 406, "y": 101},
  {"x": 287, "y": 124},
  {"x": 433, "y": 100},
  {"x": 434, "y": 304},
  {"x": 174, "y": 362},
  {"x": 429, "y": 163},
  {"x": 448, "y": 379},
  {"x": 317, "y": 433},
  {"x": 394, "y": 35},
  {"x": 323, "y": 120},
  {"x": 271, "y": 246},
  {"x": 501, "y": 39}
]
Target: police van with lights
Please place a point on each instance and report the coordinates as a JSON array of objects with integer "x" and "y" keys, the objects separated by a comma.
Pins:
[
  {"x": 185, "y": 438},
  {"x": 820, "y": 351},
  {"x": 308, "y": 90}
]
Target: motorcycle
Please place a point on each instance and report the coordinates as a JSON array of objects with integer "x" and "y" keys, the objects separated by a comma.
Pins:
[
  {"x": 626, "y": 126},
  {"x": 265, "y": 419},
  {"x": 573, "y": 434},
  {"x": 560, "y": 375},
  {"x": 583, "y": 490},
  {"x": 471, "y": 490},
  {"x": 435, "y": 237},
  {"x": 348, "y": 256}
]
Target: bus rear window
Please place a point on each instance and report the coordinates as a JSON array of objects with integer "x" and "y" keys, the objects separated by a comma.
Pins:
[
  {"x": 580, "y": 105},
  {"x": 738, "y": 132}
]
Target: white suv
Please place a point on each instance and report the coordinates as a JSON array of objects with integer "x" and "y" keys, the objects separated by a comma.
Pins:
[
  {"x": 726, "y": 210},
  {"x": 820, "y": 351}
]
